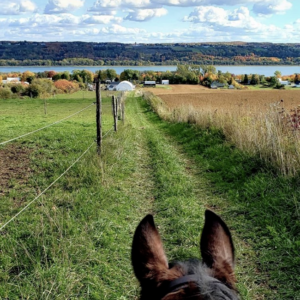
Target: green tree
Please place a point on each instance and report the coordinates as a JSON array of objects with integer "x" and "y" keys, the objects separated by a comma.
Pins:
[
  {"x": 246, "y": 79},
  {"x": 277, "y": 74},
  {"x": 262, "y": 79},
  {"x": 65, "y": 75},
  {"x": 208, "y": 69},
  {"x": 274, "y": 81},
  {"x": 111, "y": 74},
  {"x": 101, "y": 74},
  {"x": 254, "y": 79}
]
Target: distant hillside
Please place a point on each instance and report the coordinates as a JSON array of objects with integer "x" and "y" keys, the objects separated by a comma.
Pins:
[{"x": 81, "y": 53}]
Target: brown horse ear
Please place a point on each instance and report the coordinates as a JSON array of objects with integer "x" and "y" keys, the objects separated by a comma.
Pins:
[
  {"x": 217, "y": 248},
  {"x": 148, "y": 257}
]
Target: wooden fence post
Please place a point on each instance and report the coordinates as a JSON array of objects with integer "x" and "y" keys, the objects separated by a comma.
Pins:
[
  {"x": 115, "y": 112},
  {"x": 123, "y": 111},
  {"x": 45, "y": 106},
  {"x": 98, "y": 115}
]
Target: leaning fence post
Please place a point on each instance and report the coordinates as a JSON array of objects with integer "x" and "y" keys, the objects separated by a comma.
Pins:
[{"x": 98, "y": 116}]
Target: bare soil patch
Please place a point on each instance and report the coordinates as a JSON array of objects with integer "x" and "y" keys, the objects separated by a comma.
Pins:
[
  {"x": 226, "y": 100},
  {"x": 14, "y": 167}
]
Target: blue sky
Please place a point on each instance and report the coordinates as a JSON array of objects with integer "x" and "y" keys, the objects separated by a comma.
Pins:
[{"x": 150, "y": 21}]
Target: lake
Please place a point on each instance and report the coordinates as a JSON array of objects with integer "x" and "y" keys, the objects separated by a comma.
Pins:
[{"x": 261, "y": 70}]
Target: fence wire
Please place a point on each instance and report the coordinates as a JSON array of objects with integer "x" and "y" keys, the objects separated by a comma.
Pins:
[{"x": 46, "y": 189}]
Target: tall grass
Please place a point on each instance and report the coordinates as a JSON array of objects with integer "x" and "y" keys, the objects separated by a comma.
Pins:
[{"x": 271, "y": 135}]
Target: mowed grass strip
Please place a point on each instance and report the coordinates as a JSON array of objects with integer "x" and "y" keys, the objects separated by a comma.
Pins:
[
  {"x": 181, "y": 195},
  {"x": 177, "y": 209}
]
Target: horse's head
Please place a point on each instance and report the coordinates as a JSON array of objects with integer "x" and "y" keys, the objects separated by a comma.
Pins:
[{"x": 211, "y": 279}]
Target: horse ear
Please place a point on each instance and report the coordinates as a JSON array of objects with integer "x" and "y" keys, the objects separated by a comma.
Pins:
[
  {"x": 217, "y": 248},
  {"x": 148, "y": 257}
]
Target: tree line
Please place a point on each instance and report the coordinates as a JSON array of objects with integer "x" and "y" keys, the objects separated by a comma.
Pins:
[{"x": 43, "y": 84}]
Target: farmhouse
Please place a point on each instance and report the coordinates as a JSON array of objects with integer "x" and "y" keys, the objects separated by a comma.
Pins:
[{"x": 12, "y": 80}]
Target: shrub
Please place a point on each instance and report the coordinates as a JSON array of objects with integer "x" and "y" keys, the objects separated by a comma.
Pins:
[
  {"x": 34, "y": 90},
  {"x": 47, "y": 86},
  {"x": 66, "y": 86},
  {"x": 56, "y": 76},
  {"x": 17, "y": 89},
  {"x": 5, "y": 93}
]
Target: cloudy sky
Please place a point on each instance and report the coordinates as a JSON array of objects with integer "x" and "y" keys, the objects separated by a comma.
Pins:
[{"x": 151, "y": 21}]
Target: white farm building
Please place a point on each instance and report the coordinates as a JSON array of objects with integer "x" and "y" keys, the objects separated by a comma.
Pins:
[{"x": 125, "y": 86}]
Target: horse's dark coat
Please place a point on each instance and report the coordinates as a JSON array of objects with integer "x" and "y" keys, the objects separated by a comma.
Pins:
[{"x": 213, "y": 279}]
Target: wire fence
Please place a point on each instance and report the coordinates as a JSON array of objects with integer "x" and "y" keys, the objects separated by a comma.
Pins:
[
  {"x": 57, "y": 179},
  {"x": 57, "y": 122},
  {"x": 61, "y": 175}
]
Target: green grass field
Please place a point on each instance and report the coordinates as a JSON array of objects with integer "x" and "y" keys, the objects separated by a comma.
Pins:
[{"x": 75, "y": 241}]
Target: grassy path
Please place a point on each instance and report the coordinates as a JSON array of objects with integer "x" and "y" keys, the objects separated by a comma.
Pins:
[
  {"x": 75, "y": 242},
  {"x": 181, "y": 196}
]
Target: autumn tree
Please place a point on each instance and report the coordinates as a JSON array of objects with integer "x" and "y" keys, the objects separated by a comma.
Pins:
[
  {"x": 27, "y": 76},
  {"x": 50, "y": 74},
  {"x": 66, "y": 86}
]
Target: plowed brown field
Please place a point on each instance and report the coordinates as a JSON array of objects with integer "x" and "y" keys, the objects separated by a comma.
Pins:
[{"x": 201, "y": 97}]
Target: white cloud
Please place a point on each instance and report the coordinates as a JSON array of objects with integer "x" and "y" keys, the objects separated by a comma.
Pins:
[
  {"x": 223, "y": 20},
  {"x": 269, "y": 7},
  {"x": 53, "y": 22},
  {"x": 102, "y": 19},
  {"x": 102, "y": 11},
  {"x": 118, "y": 29},
  {"x": 17, "y": 7},
  {"x": 141, "y": 15},
  {"x": 187, "y": 3},
  {"x": 101, "y": 5},
  {"x": 62, "y": 6}
]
